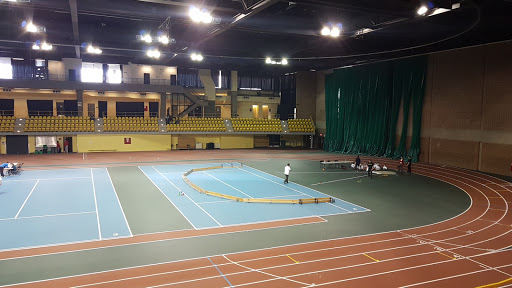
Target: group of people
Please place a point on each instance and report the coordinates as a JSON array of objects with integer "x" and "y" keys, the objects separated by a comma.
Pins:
[
  {"x": 66, "y": 146},
  {"x": 370, "y": 166},
  {"x": 7, "y": 165}
]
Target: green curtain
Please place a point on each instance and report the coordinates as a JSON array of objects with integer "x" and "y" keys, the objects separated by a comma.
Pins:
[{"x": 363, "y": 103}]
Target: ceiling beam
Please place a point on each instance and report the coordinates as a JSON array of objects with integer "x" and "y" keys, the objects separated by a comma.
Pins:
[
  {"x": 74, "y": 20},
  {"x": 176, "y": 3},
  {"x": 255, "y": 9}
]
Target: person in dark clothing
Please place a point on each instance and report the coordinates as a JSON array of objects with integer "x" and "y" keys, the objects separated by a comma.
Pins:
[
  {"x": 358, "y": 162},
  {"x": 370, "y": 169},
  {"x": 401, "y": 165},
  {"x": 409, "y": 164}
]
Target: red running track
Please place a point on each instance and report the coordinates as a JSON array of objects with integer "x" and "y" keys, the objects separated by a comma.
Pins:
[{"x": 464, "y": 251}]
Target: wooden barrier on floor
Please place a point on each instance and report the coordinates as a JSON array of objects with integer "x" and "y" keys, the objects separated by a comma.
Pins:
[{"x": 249, "y": 200}]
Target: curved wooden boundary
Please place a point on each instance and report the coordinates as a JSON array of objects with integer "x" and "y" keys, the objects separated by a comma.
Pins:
[{"x": 250, "y": 200}]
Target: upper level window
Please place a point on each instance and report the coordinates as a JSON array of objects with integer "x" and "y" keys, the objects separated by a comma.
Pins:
[
  {"x": 114, "y": 74},
  {"x": 5, "y": 68},
  {"x": 92, "y": 72}
]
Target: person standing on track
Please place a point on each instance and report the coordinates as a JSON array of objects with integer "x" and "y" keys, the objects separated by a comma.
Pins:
[
  {"x": 66, "y": 146},
  {"x": 358, "y": 162},
  {"x": 401, "y": 165},
  {"x": 409, "y": 164},
  {"x": 370, "y": 169},
  {"x": 287, "y": 170}
]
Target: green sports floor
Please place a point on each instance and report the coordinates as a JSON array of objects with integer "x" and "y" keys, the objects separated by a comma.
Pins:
[{"x": 396, "y": 202}]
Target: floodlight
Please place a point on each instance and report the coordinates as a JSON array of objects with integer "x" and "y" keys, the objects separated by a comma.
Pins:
[
  {"x": 195, "y": 14},
  {"x": 335, "y": 32},
  {"x": 206, "y": 18},
  {"x": 31, "y": 27},
  {"x": 422, "y": 10},
  {"x": 284, "y": 61},
  {"x": 147, "y": 38},
  {"x": 268, "y": 60},
  {"x": 326, "y": 31},
  {"x": 163, "y": 39},
  {"x": 156, "y": 54},
  {"x": 196, "y": 57},
  {"x": 46, "y": 46},
  {"x": 36, "y": 47}
]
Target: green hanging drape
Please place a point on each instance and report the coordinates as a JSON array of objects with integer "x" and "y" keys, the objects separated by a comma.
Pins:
[{"x": 363, "y": 103}]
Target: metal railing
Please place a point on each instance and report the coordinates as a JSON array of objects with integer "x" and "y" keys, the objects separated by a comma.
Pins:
[
  {"x": 7, "y": 112},
  {"x": 125, "y": 80}
]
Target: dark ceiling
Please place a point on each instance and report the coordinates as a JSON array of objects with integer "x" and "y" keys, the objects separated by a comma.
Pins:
[{"x": 268, "y": 28}]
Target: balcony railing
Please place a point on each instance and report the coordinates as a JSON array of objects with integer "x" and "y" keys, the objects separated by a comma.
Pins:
[{"x": 77, "y": 78}]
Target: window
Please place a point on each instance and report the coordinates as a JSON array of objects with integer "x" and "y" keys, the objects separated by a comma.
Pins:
[
  {"x": 114, "y": 74},
  {"x": 92, "y": 72},
  {"x": 5, "y": 68}
]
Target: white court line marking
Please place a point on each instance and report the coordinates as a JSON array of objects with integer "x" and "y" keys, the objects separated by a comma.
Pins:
[
  {"x": 211, "y": 202},
  {"x": 50, "y": 215},
  {"x": 165, "y": 194},
  {"x": 96, "y": 205},
  {"x": 415, "y": 227},
  {"x": 120, "y": 206},
  {"x": 259, "y": 271},
  {"x": 26, "y": 199},
  {"x": 46, "y": 179},
  {"x": 296, "y": 189},
  {"x": 227, "y": 184},
  {"x": 338, "y": 180},
  {"x": 188, "y": 198}
]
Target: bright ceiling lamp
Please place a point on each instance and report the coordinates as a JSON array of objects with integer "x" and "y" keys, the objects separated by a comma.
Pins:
[
  {"x": 46, "y": 46},
  {"x": 334, "y": 30},
  {"x": 152, "y": 53},
  {"x": 36, "y": 47},
  {"x": 31, "y": 27},
  {"x": 93, "y": 50},
  {"x": 196, "y": 57},
  {"x": 200, "y": 16},
  {"x": 163, "y": 39},
  {"x": 422, "y": 10},
  {"x": 147, "y": 38},
  {"x": 283, "y": 61},
  {"x": 326, "y": 31}
]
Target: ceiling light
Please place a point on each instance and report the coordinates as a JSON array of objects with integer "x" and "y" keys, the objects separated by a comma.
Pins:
[
  {"x": 335, "y": 32},
  {"x": 31, "y": 27},
  {"x": 268, "y": 60},
  {"x": 284, "y": 61},
  {"x": 163, "y": 39},
  {"x": 422, "y": 10},
  {"x": 197, "y": 15},
  {"x": 147, "y": 38},
  {"x": 46, "y": 46},
  {"x": 326, "y": 31},
  {"x": 36, "y": 47},
  {"x": 153, "y": 53},
  {"x": 196, "y": 57}
]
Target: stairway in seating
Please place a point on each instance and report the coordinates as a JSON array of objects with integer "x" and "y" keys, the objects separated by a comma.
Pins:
[{"x": 284, "y": 126}]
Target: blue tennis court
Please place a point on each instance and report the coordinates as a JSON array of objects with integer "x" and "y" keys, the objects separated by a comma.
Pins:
[{"x": 47, "y": 207}]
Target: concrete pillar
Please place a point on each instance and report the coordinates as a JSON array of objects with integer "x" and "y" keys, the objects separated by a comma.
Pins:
[
  {"x": 54, "y": 108},
  {"x": 163, "y": 105},
  {"x": 209, "y": 109},
  {"x": 209, "y": 85},
  {"x": 146, "y": 109},
  {"x": 234, "y": 102},
  {"x": 111, "y": 108},
  {"x": 234, "y": 80},
  {"x": 80, "y": 102},
  {"x": 20, "y": 108}
]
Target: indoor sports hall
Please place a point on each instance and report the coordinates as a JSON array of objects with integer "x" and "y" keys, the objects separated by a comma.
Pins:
[{"x": 255, "y": 143}]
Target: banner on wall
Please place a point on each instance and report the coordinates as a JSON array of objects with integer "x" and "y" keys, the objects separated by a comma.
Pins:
[{"x": 127, "y": 140}]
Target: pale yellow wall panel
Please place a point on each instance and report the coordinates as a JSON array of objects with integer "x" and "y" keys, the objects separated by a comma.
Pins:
[
  {"x": 140, "y": 142},
  {"x": 237, "y": 142}
]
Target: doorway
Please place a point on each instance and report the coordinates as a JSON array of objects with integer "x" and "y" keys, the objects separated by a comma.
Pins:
[
  {"x": 17, "y": 144},
  {"x": 70, "y": 144},
  {"x": 102, "y": 109}
]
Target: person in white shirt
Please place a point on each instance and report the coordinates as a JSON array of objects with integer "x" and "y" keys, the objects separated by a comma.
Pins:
[{"x": 287, "y": 170}]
